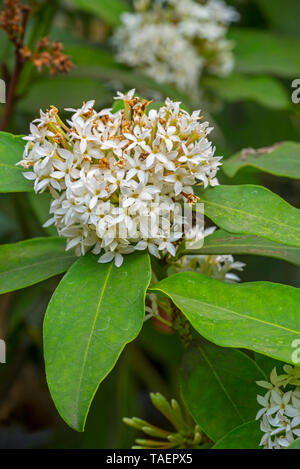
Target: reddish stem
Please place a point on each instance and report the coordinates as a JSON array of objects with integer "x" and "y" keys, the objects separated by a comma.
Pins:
[{"x": 16, "y": 74}]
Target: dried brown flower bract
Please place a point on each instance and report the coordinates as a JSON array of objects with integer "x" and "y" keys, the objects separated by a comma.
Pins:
[
  {"x": 48, "y": 55},
  {"x": 13, "y": 20}
]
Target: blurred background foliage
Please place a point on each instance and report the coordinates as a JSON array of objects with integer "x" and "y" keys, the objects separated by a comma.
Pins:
[{"x": 250, "y": 108}]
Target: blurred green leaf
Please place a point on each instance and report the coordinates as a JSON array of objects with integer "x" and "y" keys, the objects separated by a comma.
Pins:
[
  {"x": 259, "y": 316},
  {"x": 283, "y": 160},
  {"x": 250, "y": 209},
  {"x": 246, "y": 436},
  {"x": 166, "y": 348},
  {"x": 40, "y": 204},
  {"x": 7, "y": 48},
  {"x": 215, "y": 391},
  {"x": 32, "y": 261},
  {"x": 11, "y": 152},
  {"x": 108, "y": 10},
  {"x": 259, "y": 51},
  {"x": 8, "y": 226},
  {"x": 95, "y": 311},
  {"x": 98, "y": 63},
  {"x": 283, "y": 15},
  {"x": 63, "y": 92},
  {"x": 248, "y": 124},
  {"x": 222, "y": 242},
  {"x": 267, "y": 91},
  {"x": 84, "y": 55}
]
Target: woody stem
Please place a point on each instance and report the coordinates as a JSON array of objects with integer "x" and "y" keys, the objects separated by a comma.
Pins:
[{"x": 16, "y": 75}]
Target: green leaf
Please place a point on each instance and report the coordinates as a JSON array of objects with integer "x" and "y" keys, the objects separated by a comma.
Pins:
[
  {"x": 264, "y": 52},
  {"x": 259, "y": 316},
  {"x": 219, "y": 387},
  {"x": 295, "y": 444},
  {"x": 85, "y": 55},
  {"x": 267, "y": 364},
  {"x": 144, "y": 84},
  {"x": 284, "y": 161},
  {"x": 265, "y": 90},
  {"x": 246, "y": 436},
  {"x": 28, "y": 262},
  {"x": 64, "y": 92},
  {"x": 282, "y": 15},
  {"x": 250, "y": 209},
  {"x": 11, "y": 152},
  {"x": 222, "y": 242},
  {"x": 98, "y": 64},
  {"x": 95, "y": 311},
  {"x": 108, "y": 10}
]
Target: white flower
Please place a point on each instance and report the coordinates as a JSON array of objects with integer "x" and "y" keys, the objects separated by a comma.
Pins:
[
  {"x": 116, "y": 178},
  {"x": 264, "y": 401},
  {"x": 125, "y": 97},
  {"x": 280, "y": 412}
]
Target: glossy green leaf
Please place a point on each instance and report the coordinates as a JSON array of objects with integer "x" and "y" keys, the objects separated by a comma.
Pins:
[
  {"x": 95, "y": 311},
  {"x": 246, "y": 436},
  {"x": 257, "y": 51},
  {"x": 259, "y": 316},
  {"x": 295, "y": 444},
  {"x": 28, "y": 262},
  {"x": 284, "y": 161},
  {"x": 265, "y": 90},
  {"x": 11, "y": 177},
  {"x": 108, "y": 10},
  {"x": 219, "y": 387},
  {"x": 251, "y": 209},
  {"x": 222, "y": 242}
]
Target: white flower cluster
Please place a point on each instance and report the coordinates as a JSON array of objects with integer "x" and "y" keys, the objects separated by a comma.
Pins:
[
  {"x": 177, "y": 42},
  {"x": 280, "y": 412},
  {"x": 215, "y": 266},
  {"x": 111, "y": 174}
]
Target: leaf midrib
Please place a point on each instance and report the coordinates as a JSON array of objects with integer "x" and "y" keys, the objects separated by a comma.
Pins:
[
  {"x": 247, "y": 246},
  {"x": 221, "y": 384},
  {"x": 260, "y": 217},
  {"x": 92, "y": 333},
  {"x": 211, "y": 305}
]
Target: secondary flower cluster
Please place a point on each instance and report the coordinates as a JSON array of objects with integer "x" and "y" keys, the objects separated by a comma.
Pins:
[
  {"x": 117, "y": 177},
  {"x": 280, "y": 412},
  {"x": 216, "y": 266},
  {"x": 177, "y": 42}
]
